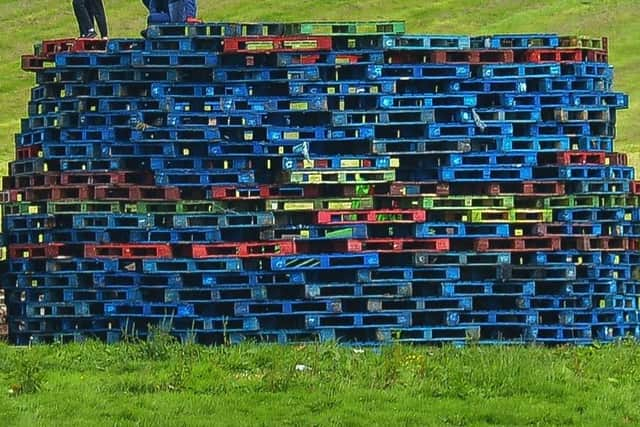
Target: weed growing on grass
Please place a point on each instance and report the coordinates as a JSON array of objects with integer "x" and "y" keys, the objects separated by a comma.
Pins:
[{"x": 26, "y": 375}]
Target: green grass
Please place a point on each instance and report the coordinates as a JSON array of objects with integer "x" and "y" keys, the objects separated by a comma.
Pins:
[
  {"x": 27, "y": 22},
  {"x": 164, "y": 383}
]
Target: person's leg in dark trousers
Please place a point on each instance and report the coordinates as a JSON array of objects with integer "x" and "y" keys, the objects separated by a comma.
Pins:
[
  {"x": 97, "y": 11},
  {"x": 85, "y": 23}
]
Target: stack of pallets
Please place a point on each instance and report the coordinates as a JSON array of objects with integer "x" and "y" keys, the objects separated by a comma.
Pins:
[{"x": 319, "y": 181}]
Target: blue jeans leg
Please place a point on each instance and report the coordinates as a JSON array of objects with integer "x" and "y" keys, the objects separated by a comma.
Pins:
[
  {"x": 190, "y": 9},
  {"x": 176, "y": 11}
]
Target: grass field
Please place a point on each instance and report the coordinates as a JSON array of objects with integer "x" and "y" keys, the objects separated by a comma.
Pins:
[
  {"x": 162, "y": 383},
  {"x": 25, "y": 22}
]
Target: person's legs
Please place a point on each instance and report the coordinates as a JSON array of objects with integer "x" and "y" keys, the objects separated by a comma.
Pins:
[
  {"x": 85, "y": 23},
  {"x": 97, "y": 10},
  {"x": 176, "y": 10},
  {"x": 190, "y": 9}
]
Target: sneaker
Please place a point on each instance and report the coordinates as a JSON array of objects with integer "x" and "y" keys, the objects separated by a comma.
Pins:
[{"x": 91, "y": 34}]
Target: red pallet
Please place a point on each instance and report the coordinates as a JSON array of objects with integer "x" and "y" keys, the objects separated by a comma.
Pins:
[
  {"x": 565, "y": 55},
  {"x": 35, "y": 180},
  {"x": 30, "y": 152},
  {"x": 117, "y": 177},
  {"x": 276, "y": 44},
  {"x": 517, "y": 244},
  {"x": 586, "y": 243},
  {"x": 370, "y": 216},
  {"x": 58, "y": 193},
  {"x": 616, "y": 159},
  {"x": 128, "y": 250},
  {"x": 242, "y": 249},
  {"x": 50, "y": 48},
  {"x": 493, "y": 56},
  {"x": 33, "y": 63},
  {"x": 43, "y": 250},
  {"x": 134, "y": 192},
  {"x": 543, "y": 187},
  {"x": 239, "y": 193},
  {"x": 635, "y": 187},
  {"x": 581, "y": 158}
]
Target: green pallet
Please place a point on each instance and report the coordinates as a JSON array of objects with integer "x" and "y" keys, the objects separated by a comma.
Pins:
[
  {"x": 346, "y": 28},
  {"x": 570, "y": 201},
  {"x": 512, "y": 215},
  {"x": 467, "y": 202},
  {"x": 83, "y": 207},
  {"x": 340, "y": 176},
  {"x": 583, "y": 42},
  {"x": 182, "y": 206}
]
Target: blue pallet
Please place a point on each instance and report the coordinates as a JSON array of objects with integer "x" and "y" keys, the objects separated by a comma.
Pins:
[
  {"x": 187, "y": 235},
  {"x": 121, "y": 45},
  {"x": 71, "y": 60},
  {"x": 228, "y": 220},
  {"x": 421, "y": 101},
  {"x": 191, "y": 60},
  {"x": 90, "y": 164},
  {"x": 135, "y": 280},
  {"x": 535, "y": 144},
  {"x": 349, "y": 320},
  {"x": 517, "y": 41},
  {"x": 440, "y": 229},
  {"x": 485, "y": 173},
  {"x": 612, "y": 100},
  {"x": 473, "y": 288},
  {"x": 336, "y": 290},
  {"x": 354, "y": 87},
  {"x": 420, "y": 71},
  {"x": 422, "y": 42},
  {"x": 251, "y": 279},
  {"x": 196, "y": 133},
  {"x": 493, "y": 158},
  {"x": 70, "y": 150},
  {"x": 190, "y": 265},
  {"x": 510, "y": 71},
  {"x": 449, "y": 334},
  {"x": 188, "y": 177},
  {"x": 101, "y": 221},
  {"x": 148, "y": 309}
]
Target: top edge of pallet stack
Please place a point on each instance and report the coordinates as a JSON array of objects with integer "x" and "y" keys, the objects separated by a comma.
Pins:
[{"x": 231, "y": 29}]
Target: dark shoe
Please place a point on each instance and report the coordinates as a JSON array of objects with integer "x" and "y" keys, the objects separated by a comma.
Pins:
[
  {"x": 91, "y": 35},
  {"x": 143, "y": 33}
]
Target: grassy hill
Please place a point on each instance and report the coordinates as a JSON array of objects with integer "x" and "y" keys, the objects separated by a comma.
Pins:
[{"x": 25, "y": 22}]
